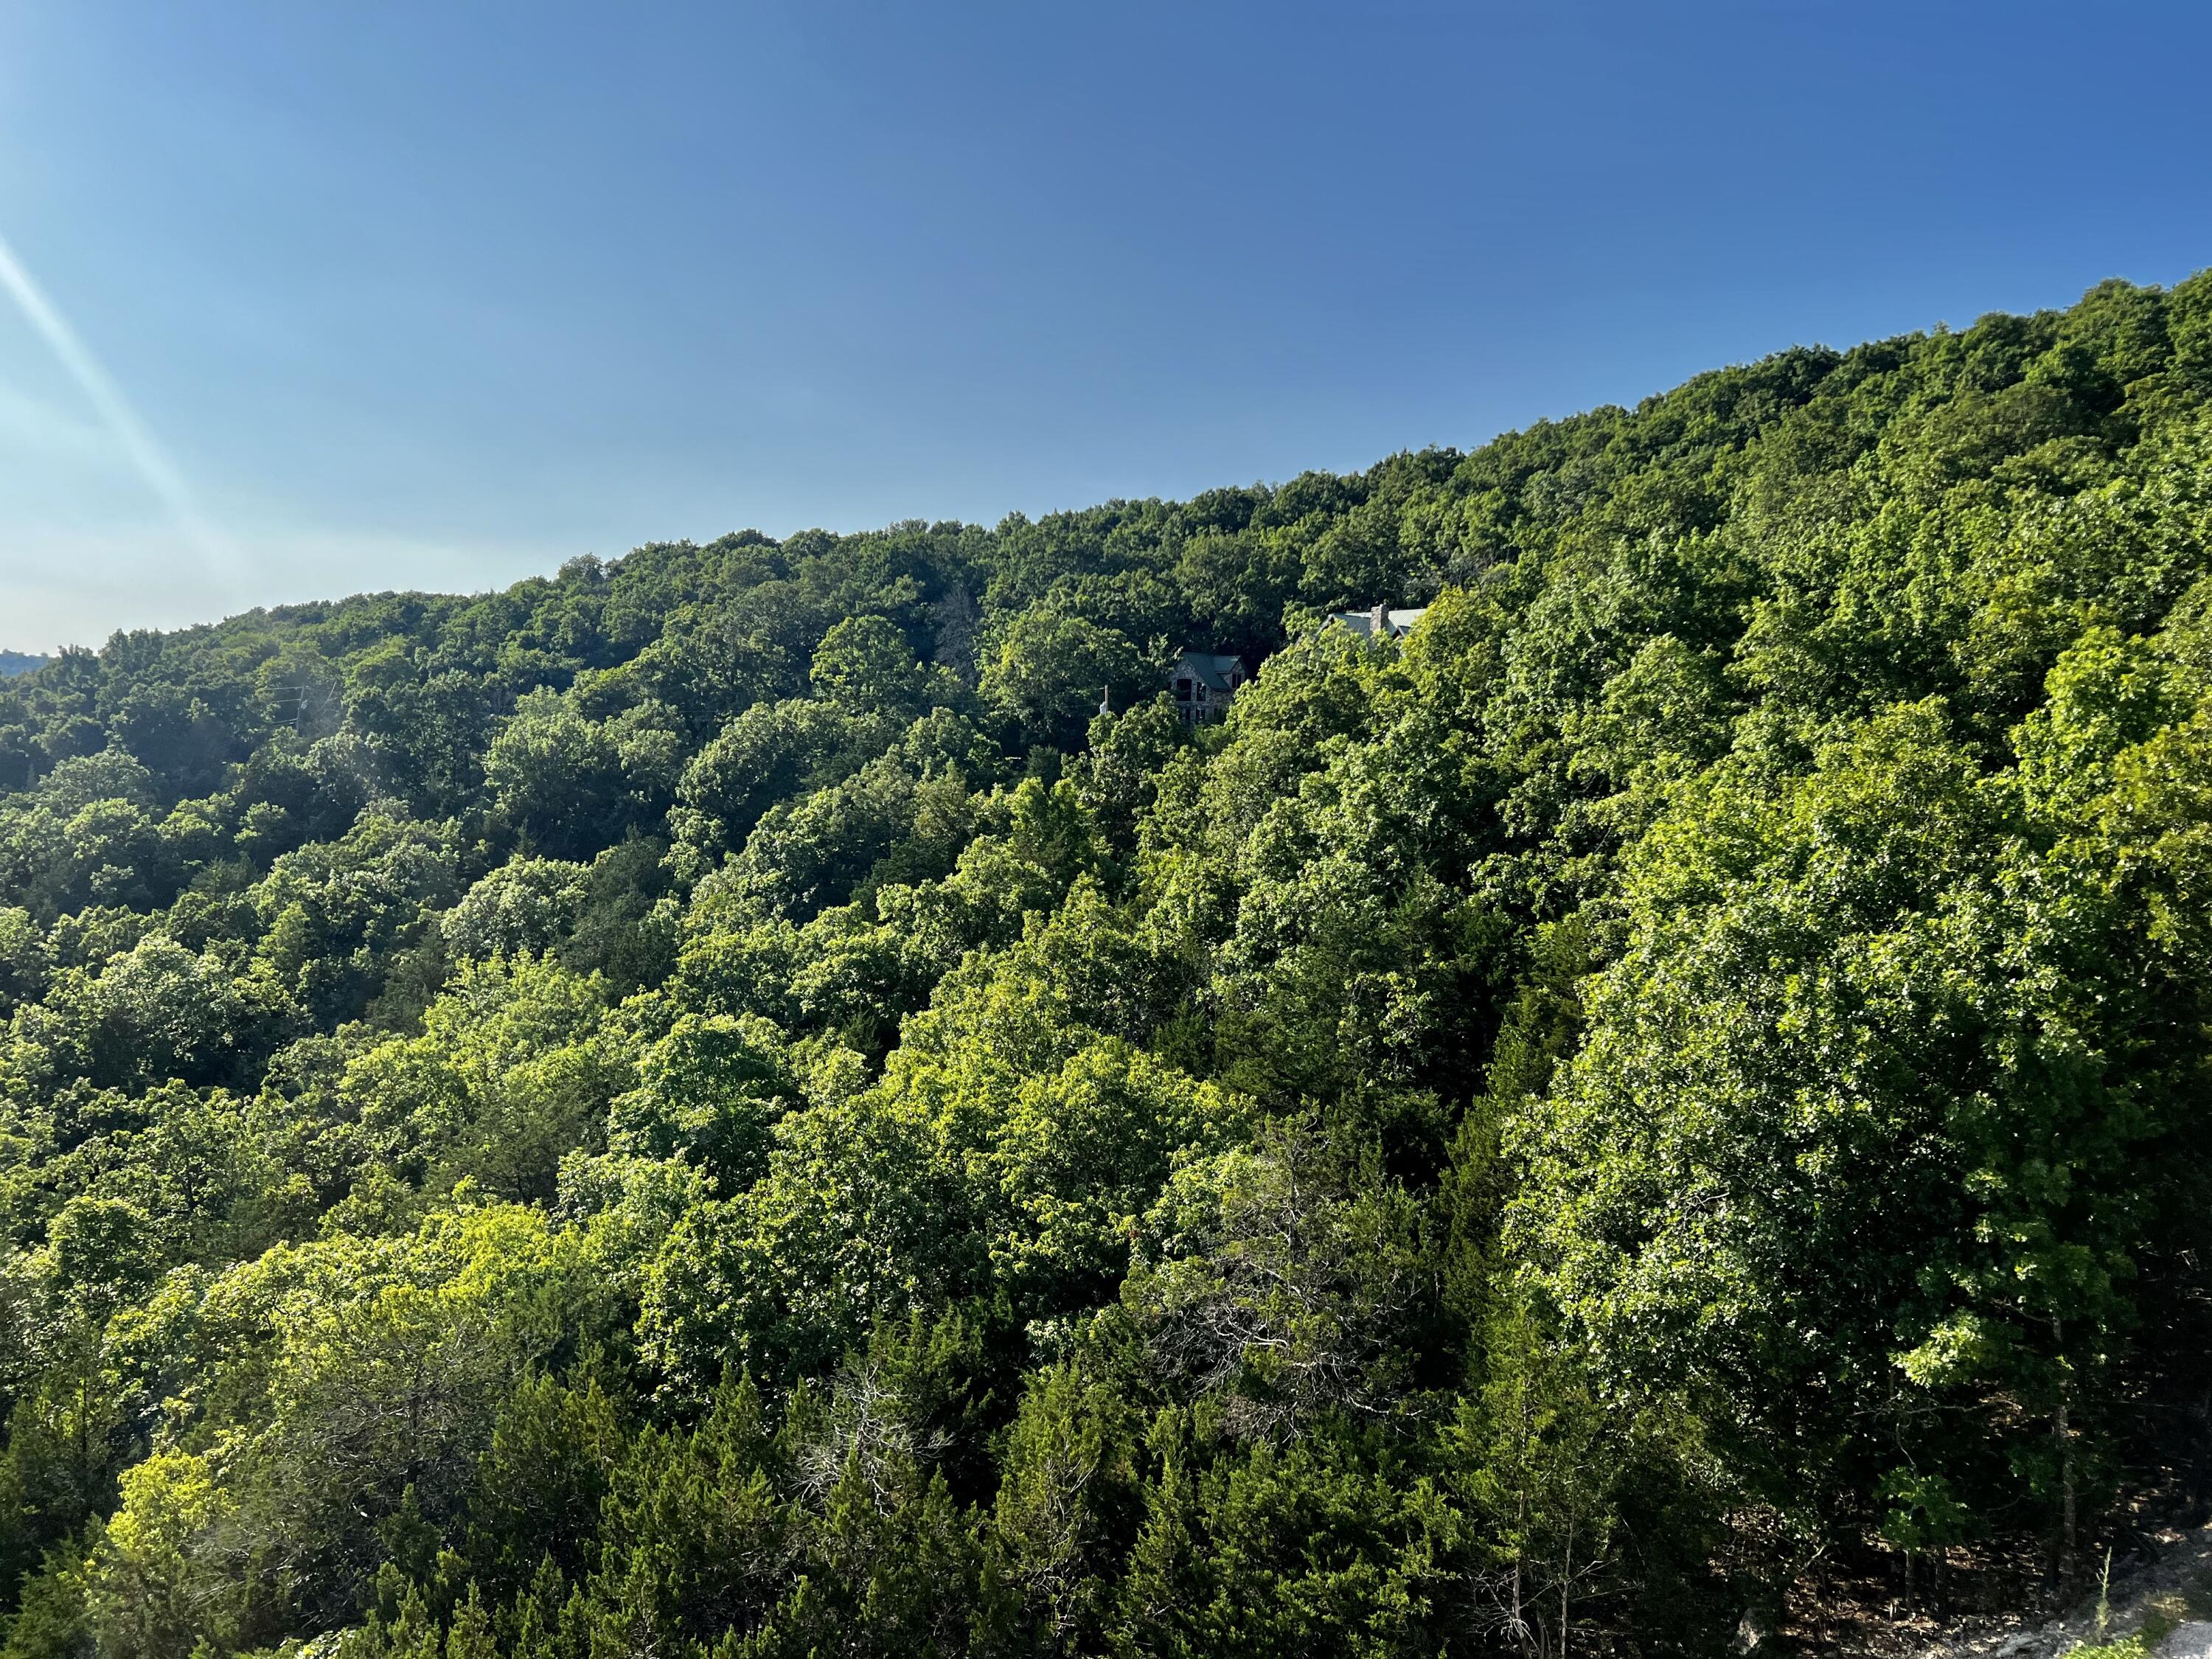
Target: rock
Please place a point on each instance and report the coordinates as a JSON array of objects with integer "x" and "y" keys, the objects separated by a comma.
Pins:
[
  {"x": 2191, "y": 1641},
  {"x": 1755, "y": 1632}
]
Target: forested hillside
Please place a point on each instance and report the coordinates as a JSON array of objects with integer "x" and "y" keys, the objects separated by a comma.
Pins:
[{"x": 715, "y": 1103}]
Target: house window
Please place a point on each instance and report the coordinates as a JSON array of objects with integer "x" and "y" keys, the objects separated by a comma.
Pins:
[{"x": 1183, "y": 691}]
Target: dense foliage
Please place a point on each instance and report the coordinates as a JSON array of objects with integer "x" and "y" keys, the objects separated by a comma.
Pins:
[{"x": 715, "y": 1103}]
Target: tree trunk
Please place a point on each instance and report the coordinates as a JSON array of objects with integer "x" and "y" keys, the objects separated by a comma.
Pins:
[{"x": 2063, "y": 1429}]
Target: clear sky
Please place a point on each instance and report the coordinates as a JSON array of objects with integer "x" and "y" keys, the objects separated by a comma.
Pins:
[{"x": 339, "y": 297}]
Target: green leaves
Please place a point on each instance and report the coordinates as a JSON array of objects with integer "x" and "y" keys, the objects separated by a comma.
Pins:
[
  {"x": 1868, "y": 1090},
  {"x": 1261, "y": 1282},
  {"x": 865, "y": 665},
  {"x": 1047, "y": 670},
  {"x": 715, "y": 1103}
]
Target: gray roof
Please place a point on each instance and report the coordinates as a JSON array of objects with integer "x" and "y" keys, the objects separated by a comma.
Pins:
[
  {"x": 1394, "y": 623},
  {"x": 1211, "y": 667}
]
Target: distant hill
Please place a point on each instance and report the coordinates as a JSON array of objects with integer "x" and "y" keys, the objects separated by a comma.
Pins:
[
  {"x": 717, "y": 1098},
  {"x": 21, "y": 662}
]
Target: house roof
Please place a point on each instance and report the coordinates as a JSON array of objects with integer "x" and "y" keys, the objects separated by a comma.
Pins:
[
  {"x": 1394, "y": 623},
  {"x": 1211, "y": 667}
]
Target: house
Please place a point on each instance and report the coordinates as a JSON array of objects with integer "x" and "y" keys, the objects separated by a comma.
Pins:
[
  {"x": 1380, "y": 623},
  {"x": 1204, "y": 683}
]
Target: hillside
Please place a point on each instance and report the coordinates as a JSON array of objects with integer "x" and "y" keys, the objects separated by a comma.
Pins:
[
  {"x": 714, "y": 1102},
  {"x": 19, "y": 662}
]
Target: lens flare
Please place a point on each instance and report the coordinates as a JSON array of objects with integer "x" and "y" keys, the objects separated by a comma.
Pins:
[{"x": 137, "y": 443}]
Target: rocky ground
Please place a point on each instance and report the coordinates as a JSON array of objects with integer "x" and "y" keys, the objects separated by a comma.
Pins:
[{"x": 2159, "y": 1606}]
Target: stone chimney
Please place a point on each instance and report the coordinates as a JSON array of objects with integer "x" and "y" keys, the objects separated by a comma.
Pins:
[{"x": 1379, "y": 621}]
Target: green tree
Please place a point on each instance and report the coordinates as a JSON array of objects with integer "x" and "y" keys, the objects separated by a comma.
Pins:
[{"x": 1049, "y": 670}]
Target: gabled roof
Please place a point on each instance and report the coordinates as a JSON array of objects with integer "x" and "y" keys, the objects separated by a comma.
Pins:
[
  {"x": 1211, "y": 667},
  {"x": 1395, "y": 623}
]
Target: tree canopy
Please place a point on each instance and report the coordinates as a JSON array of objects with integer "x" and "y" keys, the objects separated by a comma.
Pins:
[{"x": 715, "y": 1103}]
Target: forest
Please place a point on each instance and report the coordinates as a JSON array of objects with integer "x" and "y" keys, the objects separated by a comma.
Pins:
[{"x": 715, "y": 1105}]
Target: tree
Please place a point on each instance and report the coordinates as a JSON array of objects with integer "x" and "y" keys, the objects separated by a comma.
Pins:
[
  {"x": 865, "y": 665},
  {"x": 1864, "y": 1017},
  {"x": 559, "y": 775},
  {"x": 526, "y": 905},
  {"x": 712, "y": 1102},
  {"x": 1049, "y": 670}
]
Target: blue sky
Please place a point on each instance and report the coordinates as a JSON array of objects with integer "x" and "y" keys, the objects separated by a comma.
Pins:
[{"x": 439, "y": 295}]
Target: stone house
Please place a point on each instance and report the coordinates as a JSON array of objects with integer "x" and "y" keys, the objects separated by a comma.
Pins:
[{"x": 1205, "y": 683}]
